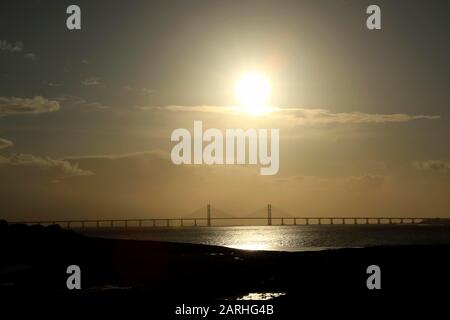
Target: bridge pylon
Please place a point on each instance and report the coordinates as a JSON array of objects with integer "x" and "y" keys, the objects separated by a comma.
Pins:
[{"x": 208, "y": 215}]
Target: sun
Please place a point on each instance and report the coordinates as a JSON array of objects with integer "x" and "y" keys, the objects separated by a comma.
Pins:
[{"x": 253, "y": 93}]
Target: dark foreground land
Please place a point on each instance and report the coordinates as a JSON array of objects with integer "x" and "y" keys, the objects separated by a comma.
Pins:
[{"x": 153, "y": 278}]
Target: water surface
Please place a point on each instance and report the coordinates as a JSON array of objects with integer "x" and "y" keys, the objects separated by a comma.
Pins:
[{"x": 287, "y": 238}]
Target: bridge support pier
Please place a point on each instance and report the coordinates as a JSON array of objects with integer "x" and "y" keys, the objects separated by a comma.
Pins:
[
  {"x": 307, "y": 221},
  {"x": 295, "y": 221}
]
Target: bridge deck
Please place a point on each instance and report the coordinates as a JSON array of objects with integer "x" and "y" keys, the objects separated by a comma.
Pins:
[{"x": 208, "y": 221}]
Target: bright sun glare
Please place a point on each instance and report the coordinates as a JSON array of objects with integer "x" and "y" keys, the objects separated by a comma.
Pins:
[{"x": 253, "y": 92}]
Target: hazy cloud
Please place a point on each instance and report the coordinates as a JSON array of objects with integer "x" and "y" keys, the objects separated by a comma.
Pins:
[
  {"x": 15, "y": 106},
  {"x": 302, "y": 116},
  {"x": 54, "y": 84},
  {"x": 5, "y": 45},
  {"x": 79, "y": 101},
  {"x": 30, "y": 56},
  {"x": 5, "y": 143},
  {"x": 143, "y": 91},
  {"x": 154, "y": 153},
  {"x": 173, "y": 108},
  {"x": 323, "y": 116},
  {"x": 60, "y": 168},
  {"x": 433, "y": 165},
  {"x": 91, "y": 81}
]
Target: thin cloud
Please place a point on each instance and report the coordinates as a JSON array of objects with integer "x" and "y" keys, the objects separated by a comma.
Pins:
[
  {"x": 323, "y": 116},
  {"x": 302, "y": 116},
  {"x": 5, "y": 143},
  {"x": 433, "y": 165},
  {"x": 154, "y": 153},
  {"x": 91, "y": 81},
  {"x": 5, "y": 45},
  {"x": 54, "y": 84},
  {"x": 61, "y": 168},
  {"x": 208, "y": 109},
  {"x": 15, "y": 106},
  {"x": 143, "y": 91},
  {"x": 79, "y": 101},
  {"x": 30, "y": 56}
]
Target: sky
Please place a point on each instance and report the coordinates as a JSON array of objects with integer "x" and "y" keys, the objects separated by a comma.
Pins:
[{"x": 86, "y": 115}]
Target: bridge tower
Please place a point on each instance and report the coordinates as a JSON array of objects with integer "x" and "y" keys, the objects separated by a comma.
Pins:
[
  {"x": 208, "y": 215},
  {"x": 269, "y": 214}
]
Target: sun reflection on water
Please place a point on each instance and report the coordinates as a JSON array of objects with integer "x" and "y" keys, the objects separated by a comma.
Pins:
[
  {"x": 262, "y": 295},
  {"x": 250, "y": 246}
]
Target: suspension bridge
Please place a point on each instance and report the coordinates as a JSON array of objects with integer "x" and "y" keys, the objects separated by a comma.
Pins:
[{"x": 208, "y": 216}]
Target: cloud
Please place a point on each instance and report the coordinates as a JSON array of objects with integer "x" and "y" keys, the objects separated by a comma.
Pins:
[
  {"x": 16, "y": 106},
  {"x": 5, "y": 143},
  {"x": 323, "y": 116},
  {"x": 210, "y": 109},
  {"x": 15, "y": 47},
  {"x": 59, "y": 168},
  {"x": 154, "y": 153},
  {"x": 143, "y": 91},
  {"x": 54, "y": 84},
  {"x": 79, "y": 101},
  {"x": 5, "y": 45},
  {"x": 30, "y": 56},
  {"x": 91, "y": 81},
  {"x": 302, "y": 116},
  {"x": 433, "y": 165}
]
